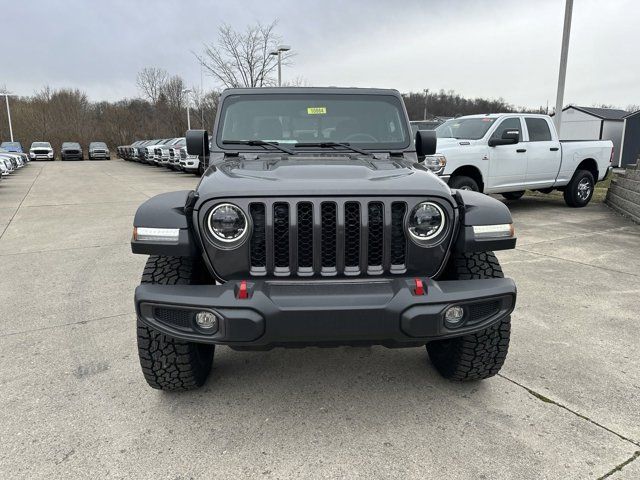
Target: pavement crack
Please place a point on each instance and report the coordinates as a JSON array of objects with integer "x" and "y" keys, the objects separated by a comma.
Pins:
[
  {"x": 21, "y": 202},
  {"x": 575, "y": 261},
  {"x": 53, "y": 327},
  {"x": 546, "y": 399},
  {"x": 619, "y": 467}
]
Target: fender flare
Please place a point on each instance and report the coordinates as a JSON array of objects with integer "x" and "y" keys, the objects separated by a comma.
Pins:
[
  {"x": 168, "y": 210},
  {"x": 478, "y": 209}
]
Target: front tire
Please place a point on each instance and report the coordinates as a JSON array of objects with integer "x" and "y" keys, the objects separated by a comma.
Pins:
[
  {"x": 168, "y": 363},
  {"x": 580, "y": 189},
  {"x": 462, "y": 182},
  {"x": 479, "y": 355}
]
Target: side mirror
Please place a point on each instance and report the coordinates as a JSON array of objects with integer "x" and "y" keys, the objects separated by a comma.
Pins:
[
  {"x": 198, "y": 143},
  {"x": 426, "y": 142},
  {"x": 509, "y": 137}
]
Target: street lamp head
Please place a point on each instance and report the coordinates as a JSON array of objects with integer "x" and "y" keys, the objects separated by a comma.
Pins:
[
  {"x": 273, "y": 53},
  {"x": 284, "y": 48}
]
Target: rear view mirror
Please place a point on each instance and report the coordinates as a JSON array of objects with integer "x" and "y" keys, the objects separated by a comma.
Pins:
[
  {"x": 426, "y": 142},
  {"x": 198, "y": 143},
  {"x": 509, "y": 137}
]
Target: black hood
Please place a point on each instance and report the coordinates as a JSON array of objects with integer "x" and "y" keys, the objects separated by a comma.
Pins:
[{"x": 276, "y": 175}]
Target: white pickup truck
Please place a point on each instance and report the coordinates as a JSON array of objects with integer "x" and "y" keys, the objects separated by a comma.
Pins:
[{"x": 509, "y": 153}]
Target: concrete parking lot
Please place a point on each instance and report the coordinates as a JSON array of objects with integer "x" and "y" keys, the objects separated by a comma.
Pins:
[{"x": 73, "y": 402}]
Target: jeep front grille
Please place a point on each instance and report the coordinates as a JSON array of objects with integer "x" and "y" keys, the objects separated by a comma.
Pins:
[{"x": 333, "y": 237}]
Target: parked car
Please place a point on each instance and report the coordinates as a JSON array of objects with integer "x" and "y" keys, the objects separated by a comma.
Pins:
[
  {"x": 71, "y": 151},
  {"x": 509, "y": 153},
  {"x": 163, "y": 153},
  {"x": 12, "y": 147},
  {"x": 41, "y": 151},
  {"x": 148, "y": 150},
  {"x": 16, "y": 159},
  {"x": 342, "y": 240},
  {"x": 6, "y": 167},
  {"x": 190, "y": 163},
  {"x": 99, "y": 150}
]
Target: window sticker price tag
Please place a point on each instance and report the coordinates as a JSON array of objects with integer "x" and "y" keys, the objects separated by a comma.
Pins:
[{"x": 316, "y": 110}]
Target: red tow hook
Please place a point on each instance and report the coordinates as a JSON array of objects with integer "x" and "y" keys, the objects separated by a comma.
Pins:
[
  {"x": 420, "y": 289},
  {"x": 243, "y": 292}
]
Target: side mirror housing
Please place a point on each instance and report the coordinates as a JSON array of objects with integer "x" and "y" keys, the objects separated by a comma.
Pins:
[
  {"x": 509, "y": 137},
  {"x": 426, "y": 142},
  {"x": 198, "y": 143}
]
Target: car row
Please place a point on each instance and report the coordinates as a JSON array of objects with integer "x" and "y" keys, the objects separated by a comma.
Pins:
[
  {"x": 68, "y": 150},
  {"x": 10, "y": 160},
  {"x": 165, "y": 152}
]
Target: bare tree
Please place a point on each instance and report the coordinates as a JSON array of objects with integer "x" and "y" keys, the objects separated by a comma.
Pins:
[
  {"x": 151, "y": 81},
  {"x": 243, "y": 59}
]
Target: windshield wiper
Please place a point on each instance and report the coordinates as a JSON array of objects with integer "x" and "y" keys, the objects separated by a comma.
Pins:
[
  {"x": 333, "y": 145},
  {"x": 259, "y": 143}
]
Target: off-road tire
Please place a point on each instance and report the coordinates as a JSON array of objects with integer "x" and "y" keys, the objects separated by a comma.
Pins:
[
  {"x": 462, "y": 182},
  {"x": 480, "y": 355},
  {"x": 513, "y": 195},
  {"x": 572, "y": 193},
  {"x": 168, "y": 363}
]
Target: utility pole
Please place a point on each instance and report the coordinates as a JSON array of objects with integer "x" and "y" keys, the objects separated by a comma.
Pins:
[
  {"x": 6, "y": 99},
  {"x": 187, "y": 92},
  {"x": 564, "y": 53},
  {"x": 426, "y": 97}
]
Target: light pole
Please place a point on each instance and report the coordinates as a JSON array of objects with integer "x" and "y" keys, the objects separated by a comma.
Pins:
[
  {"x": 6, "y": 99},
  {"x": 187, "y": 92},
  {"x": 564, "y": 53},
  {"x": 278, "y": 53}
]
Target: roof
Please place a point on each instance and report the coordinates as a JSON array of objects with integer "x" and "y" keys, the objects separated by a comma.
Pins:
[{"x": 603, "y": 113}]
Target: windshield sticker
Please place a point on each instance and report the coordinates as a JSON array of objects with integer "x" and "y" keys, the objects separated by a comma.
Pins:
[{"x": 316, "y": 110}]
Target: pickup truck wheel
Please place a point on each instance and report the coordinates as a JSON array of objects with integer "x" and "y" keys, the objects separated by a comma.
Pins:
[
  {"x": 200, "y": 169},
  {"x": 462, "y": 182},
  {"x": 479, "y": 355},
  {"x": 580, "y": 189},
  {"x": 513, "y": 195},
  {"x": 168, "y": 363}
]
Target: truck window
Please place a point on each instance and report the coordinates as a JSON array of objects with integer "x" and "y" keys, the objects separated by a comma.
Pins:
[
  {"x": 538, "y": 129},
  {"x": 508, "y": 124}
]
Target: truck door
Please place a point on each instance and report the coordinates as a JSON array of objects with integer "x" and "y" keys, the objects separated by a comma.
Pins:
[
  {"x": 507, "y": 163},
  {"x": 544, "y": 153}
]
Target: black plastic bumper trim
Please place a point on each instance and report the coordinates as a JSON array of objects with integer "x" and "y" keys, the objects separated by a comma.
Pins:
[{"x": 297, "y": 312}]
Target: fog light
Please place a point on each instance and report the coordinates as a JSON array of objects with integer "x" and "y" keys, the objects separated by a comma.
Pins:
[
  {"x": 453, "y": 316},
  {"x": 207, "y": 321}
]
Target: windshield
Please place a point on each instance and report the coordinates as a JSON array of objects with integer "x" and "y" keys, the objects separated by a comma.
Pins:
[
  {"x": 40, "y": 144},
  {"x": 10, "y": 144},
  {"x": 97, "y": 145},
  {"x": 465, "y": 128},
  {"x": 374, "y": 122}
]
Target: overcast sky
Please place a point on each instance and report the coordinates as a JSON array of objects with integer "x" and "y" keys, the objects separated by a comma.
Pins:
[{"x": 494, "y": 48}]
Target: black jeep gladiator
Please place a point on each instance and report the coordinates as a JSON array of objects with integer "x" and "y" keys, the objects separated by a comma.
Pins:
[{"x": 318, "y": 223}]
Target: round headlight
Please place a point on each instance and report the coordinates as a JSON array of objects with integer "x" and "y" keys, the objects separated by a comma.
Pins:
[
  {"x": 426, "y": 221},
  {"x": 227, "y": 223}
]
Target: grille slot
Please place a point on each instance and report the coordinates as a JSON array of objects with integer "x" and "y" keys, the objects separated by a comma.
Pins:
[
  {"x": 329, "y": 235},
  {"x": 352, "y": 234},
  {"x": 258, "y": 238},
  {"x": 281, "y": 235},
  {"x": 398, "y": 238},
  {"x": 326, "y": 238},
  {"x": 305, "y": 235},
  {"x": 376, "y": 234}
]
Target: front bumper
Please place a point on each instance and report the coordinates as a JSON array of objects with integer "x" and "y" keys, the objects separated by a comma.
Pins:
[{"x": 371, "y": 311}]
